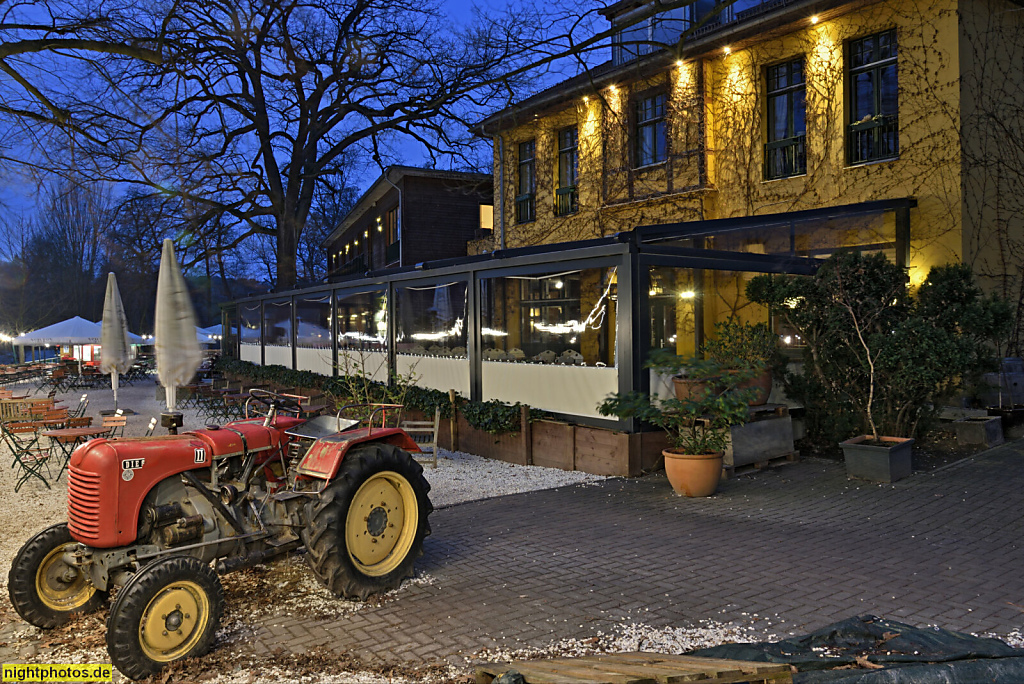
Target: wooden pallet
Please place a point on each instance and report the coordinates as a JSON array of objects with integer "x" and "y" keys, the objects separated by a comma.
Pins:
[
  {"x": 638, "y": 668},
  {"x": 733, "y": 471}
]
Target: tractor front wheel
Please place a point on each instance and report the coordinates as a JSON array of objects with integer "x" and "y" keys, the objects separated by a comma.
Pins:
[
  {"x": 168, "y": 611},
  {"x": 44, "y": 589},
  {"x": 366, "y": 529}
]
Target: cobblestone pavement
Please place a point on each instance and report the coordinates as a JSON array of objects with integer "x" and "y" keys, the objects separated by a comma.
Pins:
[{"x": 801, "y": 542}]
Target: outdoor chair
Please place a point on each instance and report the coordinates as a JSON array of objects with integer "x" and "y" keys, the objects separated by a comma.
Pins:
[
  {"x": 79, "y": 410},
  {"x": 115, "y": 425},
  {"x": 80, "y": 421},
  {"x": 151, "y": 427},
  {"x": 55, "y": 414},
  {"x": 29, "y": 455},
  {"x": 424, "y": 433}
]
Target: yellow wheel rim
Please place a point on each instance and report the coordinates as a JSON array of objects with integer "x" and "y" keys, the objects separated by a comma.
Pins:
[
  {"x": 62, "y": 587},
  {"x": 174, "y": 621},
  {"x": 381, "y": 524}
]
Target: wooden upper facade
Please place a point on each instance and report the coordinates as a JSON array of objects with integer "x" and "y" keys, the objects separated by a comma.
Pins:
[{"x": 408, "y": 216}]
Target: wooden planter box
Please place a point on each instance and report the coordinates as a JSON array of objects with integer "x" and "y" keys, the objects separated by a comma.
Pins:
[
  {"x": 554, "y": 444},
  {"x": 509, "y": 447}
]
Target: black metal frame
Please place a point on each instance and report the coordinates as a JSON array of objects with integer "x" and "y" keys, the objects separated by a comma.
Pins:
[{"x": 628, "y": 252}]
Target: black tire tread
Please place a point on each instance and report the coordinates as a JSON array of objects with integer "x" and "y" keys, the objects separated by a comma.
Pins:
[
  {"x": 21, "y": 580},
  {"x": 324, "y": 534},
  {"x": 126, "y": 613}
]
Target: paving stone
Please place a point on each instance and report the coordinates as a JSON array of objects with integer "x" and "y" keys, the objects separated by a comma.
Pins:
[{"x": 800, "y": 544}]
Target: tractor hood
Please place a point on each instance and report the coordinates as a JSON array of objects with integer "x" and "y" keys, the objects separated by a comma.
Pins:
[{"x": 108, "y": 479}]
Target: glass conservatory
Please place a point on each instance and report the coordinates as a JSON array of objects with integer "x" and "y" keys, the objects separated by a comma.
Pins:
[{"x": 557, "y": 327}]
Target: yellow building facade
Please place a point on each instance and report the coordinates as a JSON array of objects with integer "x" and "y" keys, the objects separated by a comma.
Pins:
[{"x": 711, "y": 98}]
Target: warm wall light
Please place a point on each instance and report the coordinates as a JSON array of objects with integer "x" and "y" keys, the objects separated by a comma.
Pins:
[
  {"x": 679, "y": 63},
  {"x": 814, "y": 19},
  {"x": 612, "y": 88},
  {"x": 586, "y": 99},
  {"x": 727, "y": 50},
  {"x": 687, "y": 294}
]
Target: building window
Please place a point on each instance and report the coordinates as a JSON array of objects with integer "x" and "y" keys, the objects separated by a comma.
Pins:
[
  {"x": 526, "y": 206},
  {"x": 566, "y": 197},
  {"x": 651, "y": 138},
  {"x": 650, "y": 33},
  {"x": 785, "y": 152},
  {"x": 874, "y": 123},
  {"x": 392, "y": 236}
]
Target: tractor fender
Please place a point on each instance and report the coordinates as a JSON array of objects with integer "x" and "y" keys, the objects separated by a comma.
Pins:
[{"x": 325, "y": 456}]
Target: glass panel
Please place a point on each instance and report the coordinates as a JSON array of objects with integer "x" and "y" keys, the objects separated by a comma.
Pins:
[
  {"x": 313, "y": 333},
  {"x": 810, "y": 238},
  {"x": 888, "y": 90},
  {"x": 361, "y": 327},
  {"x": 799, "y": 113},
  {"x": 549, "y": 339},
  {"x": 779, "y": 129},
  {"x": 431, "y": 320},
  {"x": 362, "y": 321},
  {"x": 864, "y": 96},
  {"x": 251, "y": 323},
  {"x": 565, "y": 317},
  {"x": 277, "y": 337}
]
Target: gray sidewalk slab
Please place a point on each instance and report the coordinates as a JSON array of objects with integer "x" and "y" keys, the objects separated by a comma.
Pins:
[{"x": 800, "y": 542}]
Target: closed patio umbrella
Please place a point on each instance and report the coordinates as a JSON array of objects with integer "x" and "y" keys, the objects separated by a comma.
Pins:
[
  {"x": 177, "y": 350},
  {"x": 114, "y": 335}
]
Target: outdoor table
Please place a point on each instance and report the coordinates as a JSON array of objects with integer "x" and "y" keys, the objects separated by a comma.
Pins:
[{"x": 69, "y": 438}]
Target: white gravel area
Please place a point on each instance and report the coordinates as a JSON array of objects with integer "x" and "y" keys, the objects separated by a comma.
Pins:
[{"x": 458, "y": 478}]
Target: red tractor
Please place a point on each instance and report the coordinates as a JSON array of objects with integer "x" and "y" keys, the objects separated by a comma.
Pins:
[{"x": 149, "y": 515}]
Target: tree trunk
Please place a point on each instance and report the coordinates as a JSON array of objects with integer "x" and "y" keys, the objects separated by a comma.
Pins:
[{"x": 287, "y": 249}]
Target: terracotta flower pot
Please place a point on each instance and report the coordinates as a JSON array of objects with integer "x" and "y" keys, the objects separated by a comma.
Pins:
[
  {"x": 693, "y": 474},
  {"x": 687, "y": 388},
  {"x": 763, "y": 384}
]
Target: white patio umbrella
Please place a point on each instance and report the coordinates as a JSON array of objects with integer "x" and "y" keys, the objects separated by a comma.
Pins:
[
  {"x": 177, "y": 350},
  {"x": 114, "y": 335}
]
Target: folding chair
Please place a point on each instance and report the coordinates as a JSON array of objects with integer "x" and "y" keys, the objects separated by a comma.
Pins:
[
  {"x": 152, "y": 426},
  {"x": 80, "y": 421},
  {"x": 115, "y": 425},
  {"x": 23, "y": 441},
  {"x": 79, "y": 410},
  {"x": 424, "y": 433}
]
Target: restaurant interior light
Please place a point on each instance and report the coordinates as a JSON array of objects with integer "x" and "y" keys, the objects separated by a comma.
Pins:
[
  {"x": 687, "y": 294},
  {"x": 727, "y": 50},
  {"x": 814, "y": 19}
]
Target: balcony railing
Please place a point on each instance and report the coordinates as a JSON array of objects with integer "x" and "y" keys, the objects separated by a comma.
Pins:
[
  {"x": 357, "y": 265},
  {"x": 783, "y": 158},
  {"x": 393, "y": 253},
  {"x": 526, "y": 208},
  {"x": 566, "y": 200},
  {"x": 874, "y": 140}
]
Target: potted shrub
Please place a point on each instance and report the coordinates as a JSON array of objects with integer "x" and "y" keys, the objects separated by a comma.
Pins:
[
  {"x": 697, "y": 426},
  {"x": 689, "y": 376},
  {"x": 739, "y": 346},
  {"x": 894, "y": 357}
]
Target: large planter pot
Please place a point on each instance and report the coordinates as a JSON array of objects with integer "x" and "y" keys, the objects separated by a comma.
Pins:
[
  {"x": 688, "y": 387},
  {"x": 987, "y": 432},
  {"x": 885, "y": 462},
  {"x": 693, "y": 474},
  {"x": 762, "y": 384}
]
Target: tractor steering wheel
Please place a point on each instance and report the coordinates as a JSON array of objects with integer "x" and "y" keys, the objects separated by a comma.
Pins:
[{"x": 285, "y": 402}]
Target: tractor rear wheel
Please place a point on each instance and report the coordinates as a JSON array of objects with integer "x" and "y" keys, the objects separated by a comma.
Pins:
[
  {"x": 366, "y": 530},
  {"x": 168, "y": 611},
  {"x": 44, "y": 589}
]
